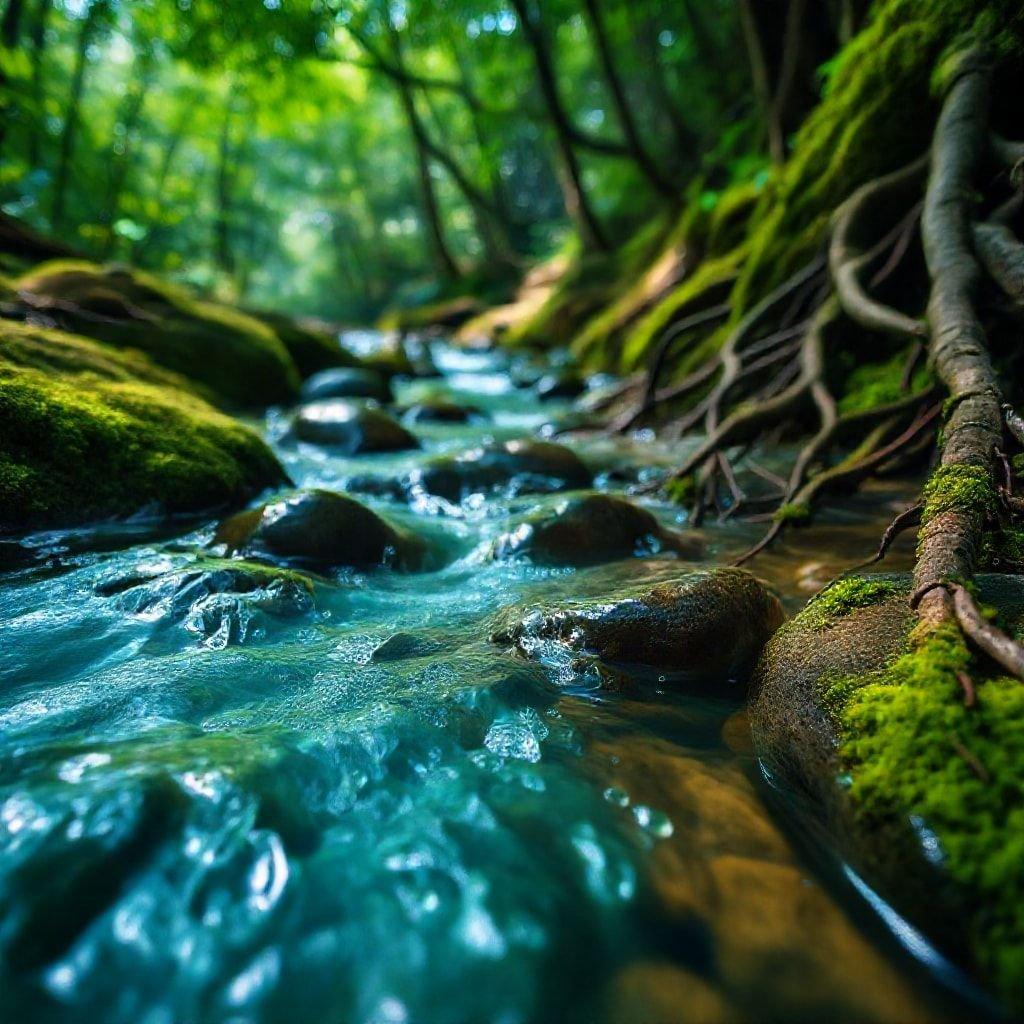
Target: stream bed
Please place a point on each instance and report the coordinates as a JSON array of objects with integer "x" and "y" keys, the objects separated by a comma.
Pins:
[{"x": 249, "y": 807}]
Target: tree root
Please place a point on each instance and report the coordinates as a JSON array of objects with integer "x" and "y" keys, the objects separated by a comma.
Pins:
[
  {"x": 847, "y": 263},
  {"x": 1002, "y": 649},
  {"x": 1002, "y": 255}
]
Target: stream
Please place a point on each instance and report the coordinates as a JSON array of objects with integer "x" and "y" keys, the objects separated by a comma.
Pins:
[{"x": 234, "y": 807}]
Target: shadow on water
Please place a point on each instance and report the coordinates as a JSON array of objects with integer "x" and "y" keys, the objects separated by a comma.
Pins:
[{"x": 230, "y": 796}]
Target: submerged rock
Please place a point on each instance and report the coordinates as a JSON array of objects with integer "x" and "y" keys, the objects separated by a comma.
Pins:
[
  {"x": 591, "y": 529},
  {"x": 321, "y": 528},
  {"x": 400, "y": 646},
  {"x": 355, "y": 428},
  {"x": 221, "y": 601},
  {"x": 438, "y": 410},
  {"x": 910, "y": 746},
  {"x": 706, "y": 627},
  {"x": 522, "y": 466},
  {"x": 347, "y": 382}
]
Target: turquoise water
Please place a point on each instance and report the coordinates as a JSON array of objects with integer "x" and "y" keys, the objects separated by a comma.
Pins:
[{"x": 221, "y": 807}]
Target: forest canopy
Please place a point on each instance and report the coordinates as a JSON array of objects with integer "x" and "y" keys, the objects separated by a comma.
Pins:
[{"x": 331, "y": 157}]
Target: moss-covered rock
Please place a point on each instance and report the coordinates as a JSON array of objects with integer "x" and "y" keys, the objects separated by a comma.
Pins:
[
  {"x": 920, "y": 782},
  {"x": 704, "y": 628},
  {"x": 237, "y": 359},
  {"x": 446, "y": 313},
  {"x": 312, "y": 347},
  {"x": 321, "y": 529},
  {"x": 355, "y": 428},
  {"x": 348, "y": 382},
  {"x": 88, "y": 432},
  {"x": 590, "y": 529}
]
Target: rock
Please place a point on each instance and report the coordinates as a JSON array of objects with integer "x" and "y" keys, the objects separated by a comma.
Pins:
[
  {"x": 871, "y": 723},
  {"x": 347, "y": 382},
  {"x": 522, "y": 467},
  {"x": 223, "y": 602},
  {"x": 355, "y": 428},
  {"x": 440, "y": 411},
  {"x": 563, "y": 384},
  {"x": 706, "y": 628},
  {"x": 400, "y": 646},
  {"x": 321, "y": 528},
  {"x": 591, "y": 529},
  {"x": 93, "y": 431}
]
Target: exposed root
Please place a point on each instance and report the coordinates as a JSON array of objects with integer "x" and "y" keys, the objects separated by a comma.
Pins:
[
  {"x": 950, "y": 540},
  {"x": 1014, "y": 423},
  {"x": 1002, "y": 649},
  {"x": 847, "y": 263},
  {"x": 907, "y": 519},
  {"x": 1002, "y": 255}
]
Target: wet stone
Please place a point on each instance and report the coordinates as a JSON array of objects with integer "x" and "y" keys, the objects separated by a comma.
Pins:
[
  {"x": 563, "y": 384},
  {"x": 347, "y": 382},
  {"x": 321, "y": 528},
  {"x": 517, "y": 467},
  {"x": 440, "y": 411},
  {"x": 706, "y": 629},
  {"x": 591, "y": 529},
  {"x": 400, "y": 646},
  {"x": 354, "y": 428},
  {"x": 219, "y": 602}
]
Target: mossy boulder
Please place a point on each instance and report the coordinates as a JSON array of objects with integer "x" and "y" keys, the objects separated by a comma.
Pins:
[
  {"x": 355, "y": 428},
  {"x": 522, "y": 466},
  {"x": 348, "y": 382},
  {"x": 312, "y": 347},
  {"x": 321, "y": 529},
  {"x": 704, "y": 629},
  {"x": 89, "y": 432},
  {"x": 910, "y": 745},
  {"x": 590, "y": 529},
  {"x": 237, "y": 359}
]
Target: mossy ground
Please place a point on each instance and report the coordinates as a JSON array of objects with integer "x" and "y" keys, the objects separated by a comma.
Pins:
[
  {"x": 88, "y": 431},
  {"x": 236, "y": 358}
]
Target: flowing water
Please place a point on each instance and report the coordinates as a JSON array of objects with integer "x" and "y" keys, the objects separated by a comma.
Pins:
[{"x": 221, "y": 806}]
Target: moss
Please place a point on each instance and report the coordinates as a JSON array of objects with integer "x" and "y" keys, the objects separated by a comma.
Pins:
[
  {"x": 450, "y": 312},
  {"x": 78, "y": 447},
  {"x": 709, "y": 283},
  {"x": 913, "y": 752},
  {"x": 962, "y": 487},
  {"x": 1003, "y": 550},
  {"x": 239, "y": 360},
  {"x": 792, "y": 512},
  {"x": 870, "y": 385},
  {"x": 681, "y": 489},
  {"x": 311, "y": 348},
  {"x": 842, "y": 597},
  {"x": 877, "y": 113}
]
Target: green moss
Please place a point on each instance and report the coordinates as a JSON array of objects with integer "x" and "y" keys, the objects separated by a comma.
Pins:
[
  {"x": 709, "y": 283},
  {"x": 681, "y": 489},
  {"x": 448, "y": 312},
  {"x": 842, "y": 597},
  {"x": 870, "y": 385},
  {"x": 311, "y": 348},
  {"x": 877, "y": 113},
  {"x": 913, "y": 752},
  {"x": 962, "y": 487},
  {"x": 792, "y": 512},
  {"x": 237, "y": 359},
  {"x": 77, "y": 447}
]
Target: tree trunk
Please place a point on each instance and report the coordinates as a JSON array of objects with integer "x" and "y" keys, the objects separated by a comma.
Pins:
[
  {"x": 782, "y": 103},
  {"x": 222, "y": 223},
  {"x": 760, "y": 78},
  {"x": 38, "y": 50},
  {"x": 9, "y": 28},
  {"x": 577, "y": 202},
  {"x": 73, "y": 113},
  {"x": 637, "y": 150}
]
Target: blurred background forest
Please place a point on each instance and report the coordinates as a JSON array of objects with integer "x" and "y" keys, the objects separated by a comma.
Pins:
[{"x": 333, "y": 158}]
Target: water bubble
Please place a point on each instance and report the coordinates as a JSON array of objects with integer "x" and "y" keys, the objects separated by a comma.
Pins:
[
  {"x": 616, "y": 796},
  {"x": 653, "y": 822}
]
